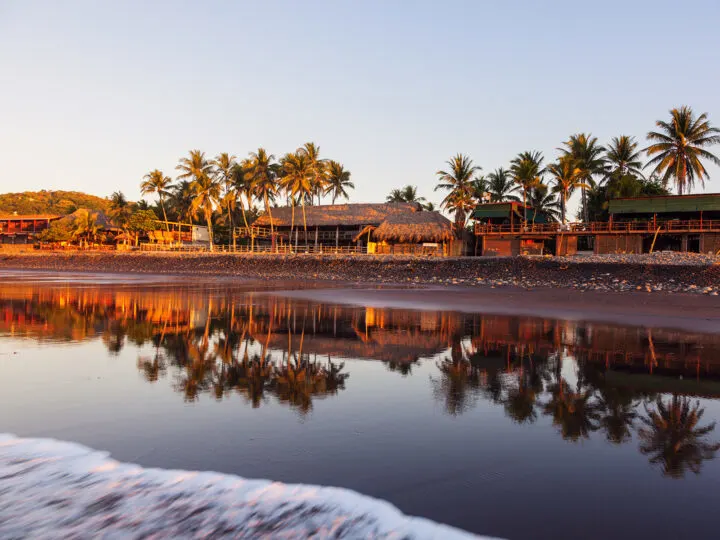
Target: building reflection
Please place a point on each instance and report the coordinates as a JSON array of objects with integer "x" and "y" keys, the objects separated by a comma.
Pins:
[{"x": 628, "y": 385}]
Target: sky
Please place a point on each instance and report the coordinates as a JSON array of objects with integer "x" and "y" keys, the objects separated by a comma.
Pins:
[{"x": 95, "y": 94}]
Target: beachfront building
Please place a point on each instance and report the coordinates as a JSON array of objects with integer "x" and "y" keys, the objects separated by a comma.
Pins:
[
  {"x": 509, "y": 228},
  {"x": 372, "y": 228},
  {"x": 689, "y": 223},
  {"x": 674, "y": 222},
  {"x": 22, "y": 229}
]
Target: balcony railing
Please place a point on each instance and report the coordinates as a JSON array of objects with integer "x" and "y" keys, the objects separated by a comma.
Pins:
[{"x": 601, "y": 227}]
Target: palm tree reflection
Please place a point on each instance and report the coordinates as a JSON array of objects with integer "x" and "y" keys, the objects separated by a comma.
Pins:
[{"x": 672, "y": 437}]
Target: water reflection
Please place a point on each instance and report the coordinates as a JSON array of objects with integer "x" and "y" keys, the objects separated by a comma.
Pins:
[{"x": 627, "y": 385}]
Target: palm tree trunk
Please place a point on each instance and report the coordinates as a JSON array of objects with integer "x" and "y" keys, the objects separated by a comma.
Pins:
[
  {"x": 292, "y": 218},
  {"x": 272, "y": 225},
  {"x": 232, "y": 228},
  {"x": 563, "y": 200},
  {"x": 208, "y": 218},
  {"x": 162, "y": 205},
  {"x": 584, "y": 205},
  {"x": 304, "y": 223},
  {"x": 525, "y": 204}
]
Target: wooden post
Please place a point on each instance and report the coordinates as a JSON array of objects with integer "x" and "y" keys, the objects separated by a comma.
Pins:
[
  {"x": 337, "y": 237},
  {"x": 296, "y": 239}
]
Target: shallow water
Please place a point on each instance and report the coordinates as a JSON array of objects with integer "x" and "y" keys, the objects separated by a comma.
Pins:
[{"x": 518, "y": 427}]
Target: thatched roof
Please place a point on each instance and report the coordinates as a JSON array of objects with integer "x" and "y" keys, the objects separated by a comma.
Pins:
[
  {"x": 415, "y": 227},
  {"x": 355, "y": 215}
]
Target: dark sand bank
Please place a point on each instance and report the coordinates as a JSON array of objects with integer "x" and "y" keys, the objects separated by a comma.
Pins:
[{"x": 661, "y": 272}]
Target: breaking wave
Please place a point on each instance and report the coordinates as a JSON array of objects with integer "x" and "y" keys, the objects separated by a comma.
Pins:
[{"x": 58, "y": 489}]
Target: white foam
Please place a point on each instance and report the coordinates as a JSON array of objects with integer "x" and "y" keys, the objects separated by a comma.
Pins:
[{"x": 53, "y": 489}]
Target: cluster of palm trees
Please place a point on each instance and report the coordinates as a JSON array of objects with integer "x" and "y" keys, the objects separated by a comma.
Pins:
[
  {"x": 221, "y": 186},
  {"x": 676, "y": 153}
]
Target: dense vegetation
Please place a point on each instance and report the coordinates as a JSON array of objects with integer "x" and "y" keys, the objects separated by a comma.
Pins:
[{"x": 50, "y": 202}]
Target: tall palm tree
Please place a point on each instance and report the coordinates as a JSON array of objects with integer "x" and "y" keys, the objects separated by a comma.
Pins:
[
  {"x": 223, "y": 166},
  {"x": 567, "y": 176},
  {"x": 405, "y": 194},
  {"x": 589, "y": 157},
  {"x": 527, "y": 170},
  {"x": 262, "y": 173},
  {"x": 501, "y": 186},
  {"x": 672, "y": 437},
  {"x": 318, "y": 170},
  {"x": 205, "y": 189},
  {"x": 242, "y": 187},
  {"x": 458, "y": 182},
  {"x": 338, "y": 180},
  {"x": 155, "y": 182},
  {"x": 298, "y": 178},
  {"x": 623, "y": 157},
  {"x": 679, "y": 148}
]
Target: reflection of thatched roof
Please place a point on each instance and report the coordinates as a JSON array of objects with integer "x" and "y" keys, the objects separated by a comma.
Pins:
[
  {"x": 415, "y": 227},
  {"x": 342, "y": 215}
]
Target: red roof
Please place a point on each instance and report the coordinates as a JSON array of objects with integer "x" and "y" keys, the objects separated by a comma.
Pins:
[{"x": 27, "y": 217}]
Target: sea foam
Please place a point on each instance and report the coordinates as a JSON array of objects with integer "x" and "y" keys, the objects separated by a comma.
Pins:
[{"x": 54, "y": 489}]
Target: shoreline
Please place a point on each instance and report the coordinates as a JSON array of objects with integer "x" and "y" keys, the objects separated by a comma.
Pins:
[{"x": 662, "y": 272}]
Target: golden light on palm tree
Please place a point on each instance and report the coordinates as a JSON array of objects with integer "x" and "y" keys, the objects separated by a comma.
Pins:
[
  {"x": 297, "y": 180},
  {"x": 679, "y": 148},
  {"x": 155, "y": 182},
  {"x": 338, "y": 181},
  {"x": 589, "y": 157},
  {"x": 568, "y": 177},
  {"x": 205, "y": 189},
  {"x": 223, "y": 166},
  {"x": 527, "y": 170},
  {"x": 262, "y": 174},
  {"x": 457, "y": 180}
]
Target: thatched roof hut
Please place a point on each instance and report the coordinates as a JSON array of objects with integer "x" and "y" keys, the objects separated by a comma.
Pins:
[
  {"x": 415, "y": 227},
  {"x": 337, "y": 215}
]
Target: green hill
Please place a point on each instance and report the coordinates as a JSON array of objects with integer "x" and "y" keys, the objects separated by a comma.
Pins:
[{"x": 50, "y": 202}]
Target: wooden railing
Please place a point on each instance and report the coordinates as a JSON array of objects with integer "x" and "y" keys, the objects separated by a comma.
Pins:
[{"x": 601, "y": 227}]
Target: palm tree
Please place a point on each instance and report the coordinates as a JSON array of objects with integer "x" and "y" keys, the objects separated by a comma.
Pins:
[
  {"x": 262, "y": 173},
  {"x": 298, "y": 178},
  {"x": 205, "y": 188},
  {"x": 338, "y": 180},
  {"x": 623, "y": 157},
  {"x": 180, "y": 199},
  {"x": 120, "y": 208},
  {"x": 542, "y": 200},
  {"x": 567, "y": 176},
  {"x": 156, "y": 182},
  {"x": 318, "y": 170},
  {"x": 589, "y": 158},
  {"x": 224, "y": 165},
  {"x": 672, "y": 437},
  {"x": 458, "y": 182},
  {"x": 679, "y": 148},
  {"x": 527, "y": 170},
  {"x": 405, "y": 194},
  {"x": 242, "y": 187},
  {"x": 501, "y": 187}
]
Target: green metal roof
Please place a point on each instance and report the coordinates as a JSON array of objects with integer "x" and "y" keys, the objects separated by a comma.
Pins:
[
  {"x": 670, "y": 204},
  {"x": 495, "y": 210}
]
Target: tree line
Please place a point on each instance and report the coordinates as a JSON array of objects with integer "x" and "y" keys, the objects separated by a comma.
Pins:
[
  {"x": 676, "y": 154},
  {"x": 229, "y": 188}
]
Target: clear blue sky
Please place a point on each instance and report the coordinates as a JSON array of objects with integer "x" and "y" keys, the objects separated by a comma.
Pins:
[{"x": 95, "y": 94}]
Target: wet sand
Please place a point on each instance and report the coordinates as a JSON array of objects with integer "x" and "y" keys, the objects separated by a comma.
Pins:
[
  {"x": 693, "y": 312},
  {"x": 670, "y": 311}
]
